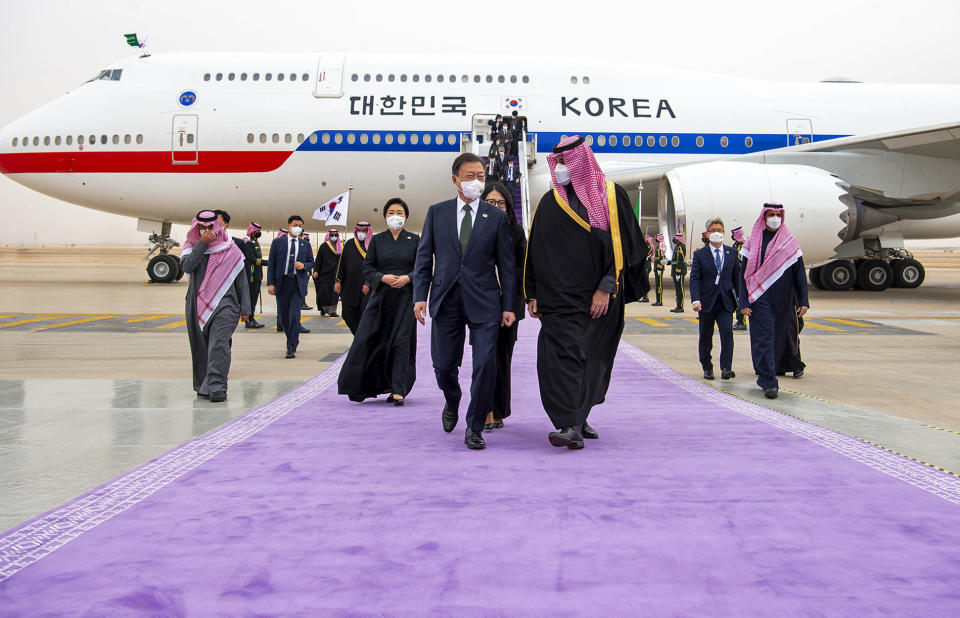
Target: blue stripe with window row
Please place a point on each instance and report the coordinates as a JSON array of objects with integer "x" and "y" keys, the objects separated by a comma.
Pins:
[{"x": 736, "y": 142}]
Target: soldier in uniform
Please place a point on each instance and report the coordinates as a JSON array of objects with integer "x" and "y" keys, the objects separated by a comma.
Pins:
[
  {"x": 659, "y": 259},
  {"x": 253, "y": 257},
  {"x": 678, "y": 270},
  {"x": 737, "y": 235},
  {"x": 648, "y": 265}
]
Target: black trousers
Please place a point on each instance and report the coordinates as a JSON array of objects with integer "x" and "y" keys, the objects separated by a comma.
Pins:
[
  {"x": 506, "y": 340},
  {"x": 678, "y": 288},
  {"x": 658, "y": 279},
  {"x": 446, "y": 350},
  {"x": 724, "y": 321},
  {"x": 289, "y": 300},
  {"x": 254, "y": 296},
  {"x": 762, "y": 344}
]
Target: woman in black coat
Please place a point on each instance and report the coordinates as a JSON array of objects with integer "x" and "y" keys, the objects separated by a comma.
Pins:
[
  {"x": 383, "y": 356},
  {"x": 501, "y": 197}
]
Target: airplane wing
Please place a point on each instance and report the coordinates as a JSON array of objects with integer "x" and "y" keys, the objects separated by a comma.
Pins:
[{"x": 941, "y": 141}]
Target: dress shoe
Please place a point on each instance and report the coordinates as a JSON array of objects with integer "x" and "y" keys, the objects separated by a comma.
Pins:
[
  {"x": 304, "y": 329},
  {"x": 589, "y": 432},
  {"x": 568, "y": 437},
  {"x": 644, "y": 300},
  {"x": 397, "y": 401},
  {"x": 489, "y": 426},
  {"x": 306, "y": 307},
  {"x": 708, "y": 374},
  {"x": 218, "y": 396},
  {"x": 252, "y": 324},
  {"x": 291, "y": 354},
  {"x": 727, "y": 374},
  {"x": 677, "y": 310},
  {"x": 498, "y": 424},
  {"x": 334, "y": 315},
  {"x": 450, "y": 418},
  {"x": 771, "y": 393},
  {"x": 203, "y": 395},
  {"x": 474, "y": 440},
  {"x": 798, "y": 374},
  {"x": 739, "y": 326},
  {"x": 657, "y": 304}
]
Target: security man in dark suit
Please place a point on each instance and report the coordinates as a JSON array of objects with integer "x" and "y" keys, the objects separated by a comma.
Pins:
[
  {"x": 253, "y": 259},
  {"x": 678, "y": 270},
  {"x": 737, "y": 235},
  {"x": 714, "y": 278},
  {"x": 288, "y": 272},
  {"x": 465, "y": 263}
]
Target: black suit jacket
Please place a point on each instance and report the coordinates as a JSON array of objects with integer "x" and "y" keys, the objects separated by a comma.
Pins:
[{"x": 703, "y": 279}]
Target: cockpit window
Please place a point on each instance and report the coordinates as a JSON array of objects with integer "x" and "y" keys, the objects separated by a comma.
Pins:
[{"x": 109, "y": 75}]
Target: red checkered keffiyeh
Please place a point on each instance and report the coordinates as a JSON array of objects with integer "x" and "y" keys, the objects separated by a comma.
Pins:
[
  {"x": 339, "y": 246},
  {"x": 587, "y": 179},
  {"x": 782, "y": 251},
  {"x": 226, "y": 261}
]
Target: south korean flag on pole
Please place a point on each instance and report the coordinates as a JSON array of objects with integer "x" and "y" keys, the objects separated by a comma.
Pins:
[{"x": 335, "y": 211}]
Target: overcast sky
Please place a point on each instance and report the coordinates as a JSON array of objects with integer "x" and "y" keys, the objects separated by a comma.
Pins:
[{"x": 50, "y": 46}]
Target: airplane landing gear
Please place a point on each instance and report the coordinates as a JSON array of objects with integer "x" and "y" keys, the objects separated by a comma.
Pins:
[
  {"x": 163, "y": 267},
  {"x": 907, "y": 273},
  {"x": 875, "y": 273}
]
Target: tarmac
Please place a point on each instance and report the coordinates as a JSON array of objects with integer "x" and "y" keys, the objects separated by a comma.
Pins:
[{"x": 96, "y": 376}]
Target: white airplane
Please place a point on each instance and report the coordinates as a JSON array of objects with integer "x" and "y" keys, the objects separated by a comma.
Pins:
[{"x": 859, "y": 167}]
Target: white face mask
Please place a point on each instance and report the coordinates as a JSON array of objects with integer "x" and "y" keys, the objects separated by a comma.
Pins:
[
  {"x": 774, "y": 223},
  {"x": 716, "y": 237},
  {"x": 562, "y": 174},
  {"x": 295, "y": 230},
  {"x": 471, "y": 188},
  {"x": 361, "y": 236},
  {"x": 395, "y": 222}
]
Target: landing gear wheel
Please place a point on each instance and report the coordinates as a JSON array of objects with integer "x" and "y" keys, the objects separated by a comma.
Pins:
[
  {"x": 815, "y": 278},
  {"x": 874, "y": 275},
  {"x": 163, "y": 268},
  {"x": 838, "y": 276},
  {"x": 908, "y": 273}
]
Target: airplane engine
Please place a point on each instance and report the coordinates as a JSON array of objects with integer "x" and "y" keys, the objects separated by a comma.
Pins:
[{"x": 816, "y": 203}]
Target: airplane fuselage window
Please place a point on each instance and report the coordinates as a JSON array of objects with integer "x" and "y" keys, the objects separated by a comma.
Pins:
[
  {"x": 585, "y": 80},
  {"x": 250, "y": 138},
  {"x": 379, "y": 77},
  {"x": 46, "y": 140},
  {"x": 366, "y": 77},
  {"x": 699, "y": 141},
  {"x": 354, "y": 77},
  {"x": 748, "y": 142},
  {"x": 401, "y": 139},
  {"x": 276, "y": 138},
  {"x": 231, "y": 77},
  {"x": 293, "y": 77},
  {"x": 363, "y": 138},
  {"x": 526, "y": 79},
  {"x": 663, "y": 141},
  {"x": 338, "y": 138},
  {"x": 513, "y": 79},
  {"x": 243, "y": 77},
  {"x": 300, "y": 138},
  {"x": 219, "y": 77},
  {"x": 440, "y": 78},
  {"x": 127, "y": 139},
  {"x": 638, "y": 141},
  {"x": 476, "y": 79},
  {"x": 464, "y": 79},
  {"x": 403, "y": 77},
  {"x": 391, "y": 77},
  {"x": 351, "y": 138},
  {"x": 206, "y": 77},
  {"x": 426, "y": 139},
  {"x": 573, "y": 79},
  {"x": 56, "y": 140},
  {"x": 15, "y": 142},
  {"x": 589, "y": 140},
  {"x": 489, "y": 79},
  {"x": 325, "y": 138},
  {"x": 305, "y": 77},
  {"x": 414, "y": 138},
  {"x": 427, "y": 77},
  {"x": 69, "y": 140},
  {"x": 724, "y": 141},
  {"x": 388, "y": 138},
  {"x": 80, "y": 140},
  {"x": 116, "y": 139},
  {"x": 263, "y": 138},
  {"x": 36, "y": 141},
  {"x": 501, "y": 79},
  {"x": 139, "y": 138},
  {"x": 376, "y": 138},
  {"x": 416, "y": 77},
  {"x": 287, "y": 138},
  {"x": 313, "y": 138},
  {"x": 279, "y": 77},
  {"x": 256, "y": 77},
  {"x": 189, "y": 138},
  {"x": 651, "y": 141},
  {"x": 268, "y": 76},
  {"x": 453, "y": 79},
  {"x": 452, "y": 139},
  {"x": 601, "y": 140}
]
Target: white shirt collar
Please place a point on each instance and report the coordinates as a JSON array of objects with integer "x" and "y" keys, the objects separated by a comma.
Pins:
[{"x": 473, "y": 205}]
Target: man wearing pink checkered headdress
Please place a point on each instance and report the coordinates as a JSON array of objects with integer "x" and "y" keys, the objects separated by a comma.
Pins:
[
  {"x": 218, "y": 297},
  {"x": 584, "y": 261}
]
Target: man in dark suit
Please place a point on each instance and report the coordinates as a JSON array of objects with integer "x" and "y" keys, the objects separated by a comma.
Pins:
[
  {"x": 516, "y": 130},
  {"x": 714, "y": 278},
  {"x": 288, "y": 268},
  {"x": 464, "y": 245}
]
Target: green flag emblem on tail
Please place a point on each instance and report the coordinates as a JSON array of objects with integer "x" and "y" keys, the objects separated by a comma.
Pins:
[{"x": 132, "y": 40}]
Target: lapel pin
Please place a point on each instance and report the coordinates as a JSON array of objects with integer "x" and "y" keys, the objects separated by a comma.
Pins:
[{"x": 484, "y": 215}]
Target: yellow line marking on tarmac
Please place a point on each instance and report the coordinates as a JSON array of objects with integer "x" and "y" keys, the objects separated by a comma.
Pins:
[
  {"x": 851, "y": 323},
  {"x": 152, "y": 317},
  {"x": 11, "y": 315},
  {"x": 305, "y": 318},
  {"x": 694, "y": 320},
  {"x": 650, "y": 321},
  {"x": 171, "y": 325},
  {"x": 807, "y": 322},
  {"x": 83, "y": 321},
  {"x": 340, "y": 323},
  {"x": 19, "y": 322}
]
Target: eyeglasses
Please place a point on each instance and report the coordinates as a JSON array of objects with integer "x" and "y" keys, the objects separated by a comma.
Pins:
[{"x": 498, "y": 203}]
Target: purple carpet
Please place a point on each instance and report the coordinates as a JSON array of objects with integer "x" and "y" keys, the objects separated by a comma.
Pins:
[{"x": 691, "y": 503}]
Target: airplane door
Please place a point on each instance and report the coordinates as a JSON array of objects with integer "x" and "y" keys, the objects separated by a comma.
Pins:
[
  {"x": 799, "y": 131},
  {"x": 329, "y": 77},
  {"x": 184, "y": 146}
]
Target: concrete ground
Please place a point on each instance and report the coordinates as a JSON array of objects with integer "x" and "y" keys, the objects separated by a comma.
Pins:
[{"x": 95, "y": 378}]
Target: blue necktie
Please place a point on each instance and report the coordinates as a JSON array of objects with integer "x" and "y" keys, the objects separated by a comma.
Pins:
[
  {"x": 716, "y": 258},
  {"x": 292, "y": 258}
]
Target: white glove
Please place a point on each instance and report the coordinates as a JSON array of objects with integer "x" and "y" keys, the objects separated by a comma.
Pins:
[{"x": 665, "y": 262}]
